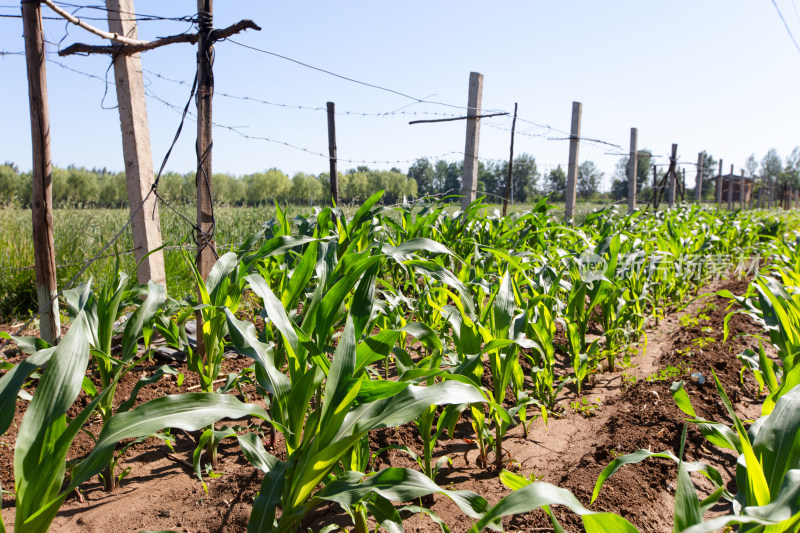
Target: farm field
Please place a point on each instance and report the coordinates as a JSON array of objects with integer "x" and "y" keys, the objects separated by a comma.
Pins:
[
  {"x": 422, "y": 371},
  {"x": 79, "y": 233}
]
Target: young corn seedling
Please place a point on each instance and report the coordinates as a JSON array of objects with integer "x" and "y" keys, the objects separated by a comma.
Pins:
[{"x": 45, "y": 435}]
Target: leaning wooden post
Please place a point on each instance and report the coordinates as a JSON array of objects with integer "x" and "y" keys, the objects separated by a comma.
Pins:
[
  {"x": 206, "y": 256},
  {"x": 633, "y": 163},
  {"x": 469, "y": 178},
  {"x": 510, "y": 162},
  {"x": 41, "y": 175},
  {"x": 672, "y": 177},
  {"x": 730, "y": 191},
  {"x": 698, "y": 184},
  {"x": 572, "y": 167},
  {"x": 132, "y": 108},
  {"x": 332, "y": 152},
  {"x": 719, "y": 186}
]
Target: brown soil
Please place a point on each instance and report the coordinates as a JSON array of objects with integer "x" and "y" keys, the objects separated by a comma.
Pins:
[{"x": 161, "y": 493}]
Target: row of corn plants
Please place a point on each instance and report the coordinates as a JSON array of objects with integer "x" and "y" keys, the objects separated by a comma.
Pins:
[{"x": 375, "y": 320}]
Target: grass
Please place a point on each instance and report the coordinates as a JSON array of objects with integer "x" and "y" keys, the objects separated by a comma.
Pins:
[{"x": 79, "y": 234}]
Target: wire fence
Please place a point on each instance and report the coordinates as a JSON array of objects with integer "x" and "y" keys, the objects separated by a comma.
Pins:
[{"x": 535, "y": 129}]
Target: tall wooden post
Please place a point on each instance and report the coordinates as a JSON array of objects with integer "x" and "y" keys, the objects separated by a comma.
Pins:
[
  {"x": 730, "y": 191},
  {"x": 572, "y": 167},
  {"x": 205, "y": 92},
  {"x": 719, "y": 186},
  {"x": 132, "y": 108},
  {"x": 741, "y": 191},
  {"x": 633, "y": 163},
  {"x": 698, "y": 184},
  {"x": 672, "y": 176},
  {"x": 683, "y": 184},
  {"x": 469, "y": 178},
  {"x": 42, "y": 174},
  {"x": 655, "y": 185},
  {"x": 509, "y": 184},
  {"x": 332, "y": 152}
]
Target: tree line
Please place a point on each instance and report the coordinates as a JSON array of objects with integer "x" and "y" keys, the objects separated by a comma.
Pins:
[
  {"x": 98, "y": 187},
  {"x": 83, "y": 187}
]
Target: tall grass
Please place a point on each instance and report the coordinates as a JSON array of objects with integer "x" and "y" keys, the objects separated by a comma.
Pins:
[{"x": 79, "y": 234}]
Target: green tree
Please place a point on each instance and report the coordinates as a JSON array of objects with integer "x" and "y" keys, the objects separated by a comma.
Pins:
[
  {"x": 113, "y": 190},
  {"x": 619, "y": 183},
  {"x": 589, "y": 177},
  {"x": 423, "y": 173},
  {"x": 10, "y": 184},
  {"x": 556, "y": 183},
  {"x": 266, "y": 187},
  {"x": 448, "y": 177},
  {"x": 524, "y": 178}
]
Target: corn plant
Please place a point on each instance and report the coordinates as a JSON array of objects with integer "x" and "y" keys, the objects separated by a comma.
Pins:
[
  {"x": 528, "y": 496},
  {"x": 778, "y": 311},
  {"x": 45, "y": 435}
]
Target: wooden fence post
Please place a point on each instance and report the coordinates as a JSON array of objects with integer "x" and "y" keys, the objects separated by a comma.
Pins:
[
  {"x": 572, "y": 167},
  {"x": 698, "y": 184},
  {"x": 741, "y": 191},
  {"x": 673, "y": 177},
  {"x": 509, "y": 184},
  {"x": 633, "y": 163},
  {"x": 730, "y": 191},
  {"x": 205, "y": 92},
  {"x": 719, "y": 186},
  {"x": 42, "y": 174},
  {"x": 332, "y": 152},
  {"x": 132, "y": 108},
  {"x": 655, "y": 185},
  {"x": 469, "y": 177},
  {"x": 683, "y": 184}
]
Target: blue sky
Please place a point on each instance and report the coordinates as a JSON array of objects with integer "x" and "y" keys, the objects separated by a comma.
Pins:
[{"x": 715, "y": 75}]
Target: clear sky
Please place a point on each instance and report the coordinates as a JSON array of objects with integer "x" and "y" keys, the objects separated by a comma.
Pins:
[{"x": 715, "y": 75}]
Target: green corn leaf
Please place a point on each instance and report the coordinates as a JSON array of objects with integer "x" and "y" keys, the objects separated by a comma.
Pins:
[
  {"x": 446, "y": 277},
  {"x": 301, "y": 275},
  {"x": 245, "y": 338},
  {"x": 262, "y": 518},
  {"x": 255, "y": 453},
  {"x": 777, "y": 443},
  {"x": 418, "y": 244},
  {"x": 640, "y": 455},
  {"x": 503, "y": 308},
  {"x": 687, "y": 505},
  {"x": 400, "y": 485},
  {"x": 361, "y": 306},
  {"x": 37, "y": 475},
  {"x": 143, "y": 382},
  {"x": 190, "y": 412},
  {"x": 375, "y": 348},
  {"x": 141, "y": 317},
  {"x": 537, "y": 495},
  {"x": 328, "y": 309},
  {"x": 340, "y": 378},
  {"x": 13, "y": 380},
  {"x": 362, "y": 211}
]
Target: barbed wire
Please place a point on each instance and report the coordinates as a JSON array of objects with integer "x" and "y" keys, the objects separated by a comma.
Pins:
[
  {"x": 301, "y": 148},
  {"x": 307, "y": 107}
]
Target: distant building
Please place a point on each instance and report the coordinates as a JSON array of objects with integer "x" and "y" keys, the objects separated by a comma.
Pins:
[{"x": 734, "y": 180}]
